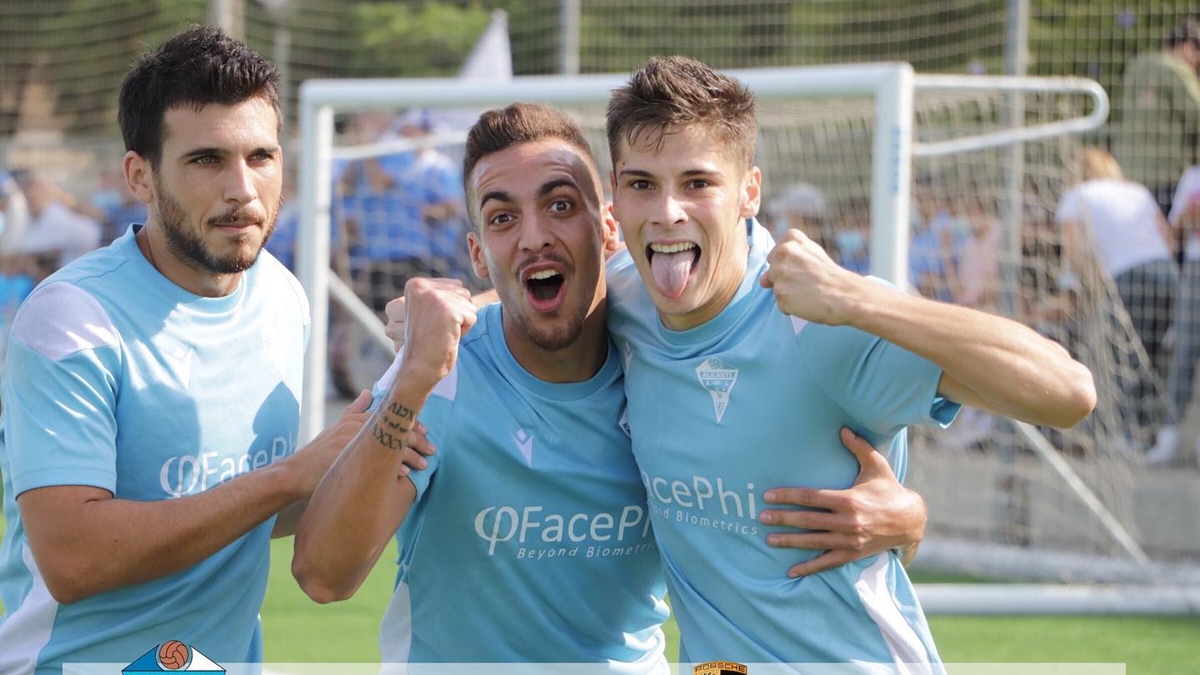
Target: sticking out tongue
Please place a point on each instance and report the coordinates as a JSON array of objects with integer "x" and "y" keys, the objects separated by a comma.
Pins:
[{"x": 671, "y": 271}]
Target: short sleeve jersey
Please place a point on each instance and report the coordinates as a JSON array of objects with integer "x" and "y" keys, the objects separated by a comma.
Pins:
[
  {"x": 751, "y": 400},
  {"x": 530, "y": 522},
  {"x": 118, "y": 379}
]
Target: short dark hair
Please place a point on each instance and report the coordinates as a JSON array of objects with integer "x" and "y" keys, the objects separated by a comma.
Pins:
[
  {"x": 1185, "y": 30},
  {"x": 196, "y": 67},
  {"x": 503, "y": 128},
  {"x": 673, "y": 92}
]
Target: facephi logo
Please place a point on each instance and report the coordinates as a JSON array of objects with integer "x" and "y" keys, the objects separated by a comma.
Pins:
[
  {"x": 718, "y": 378},
  {"x": 172, "y": 656}
]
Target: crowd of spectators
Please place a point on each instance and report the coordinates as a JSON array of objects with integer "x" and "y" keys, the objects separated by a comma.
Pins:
[{"x": 1130, "y": 217}]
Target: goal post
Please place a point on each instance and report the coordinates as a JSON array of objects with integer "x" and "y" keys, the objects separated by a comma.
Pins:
[
  {"x": 889, "y": 84},
  {"x": 881, "y": 142}
]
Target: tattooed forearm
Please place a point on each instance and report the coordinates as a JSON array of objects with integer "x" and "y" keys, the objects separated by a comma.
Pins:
[
  {"x": 390, "y": 440},
  {"x": 403, "y": 412}
]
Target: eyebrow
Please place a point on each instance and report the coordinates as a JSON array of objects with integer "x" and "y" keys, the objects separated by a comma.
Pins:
[
  {"x": 639, "y": 173},
  {"x": 222, "y": 152},
  {"x": 499, "y": 195},
  {"x": 552, "y": 185}
]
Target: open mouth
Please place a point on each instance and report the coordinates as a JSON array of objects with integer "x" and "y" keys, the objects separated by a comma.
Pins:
[
  {"x": 544, "y": 288},
  {"x": 671, "y": 265}
]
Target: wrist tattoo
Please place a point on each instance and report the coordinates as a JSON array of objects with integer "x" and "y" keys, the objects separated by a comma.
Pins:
[
  {"x": 401, "y": 411},
  {"x": 393, "y": 441}
]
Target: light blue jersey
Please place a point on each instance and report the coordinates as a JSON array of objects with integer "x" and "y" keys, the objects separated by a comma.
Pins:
[
  {"x": 749, "y": 401},
  {"x": 529, "y": 541},
  {"x": 119, "y": 379}
]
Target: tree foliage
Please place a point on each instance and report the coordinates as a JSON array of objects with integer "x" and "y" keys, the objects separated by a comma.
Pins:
[{"x": 82, "y": 48}]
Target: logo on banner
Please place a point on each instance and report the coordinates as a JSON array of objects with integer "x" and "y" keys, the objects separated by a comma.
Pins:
[
  {"x": 172, "y": 656},
  {"x": 720, "y": 668}
]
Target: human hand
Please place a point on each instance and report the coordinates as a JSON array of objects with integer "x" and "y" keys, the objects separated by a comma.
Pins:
[
  {"x": 438, "y": 313},
  {"x": 397, "y": 311},
  {"x": 416, "y": 448},
  {"x": 312, "y": 461},
  {"x": 873, "y": 515},
  {"x": 397, "y": 314},
  {"x": 807, "y": 283}
]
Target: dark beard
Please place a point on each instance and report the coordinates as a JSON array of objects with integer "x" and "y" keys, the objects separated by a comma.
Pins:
[
  {"x": 554, "y": 340},
  {"x": 189, "y": 248}
]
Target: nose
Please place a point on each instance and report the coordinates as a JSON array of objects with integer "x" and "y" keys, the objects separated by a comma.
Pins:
[
  {"x": 535, "y": 234},
  {"x": 239, "y": 183},
  {"x": 670, "y": 210}
]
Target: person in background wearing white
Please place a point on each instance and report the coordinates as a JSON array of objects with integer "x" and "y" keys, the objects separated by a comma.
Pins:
[
  {"x": 54, "y": 227},
  {"x": 1115, "y": 222},
  {"x": 1184, "y": 217}
]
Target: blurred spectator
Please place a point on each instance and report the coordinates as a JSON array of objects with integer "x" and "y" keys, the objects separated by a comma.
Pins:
[
  {"x": 1116, "y": 223},
  {"x": 979, "y": 261},
  {"x": 56, "y": 234},
  {"x": 14, "y": 211},
  {"x": 1185, "y": 218},
  {"x": 16, "y": 273},
  {"x": 436, "y": 182},
  {"x": 937, "y": 234},
  {"x": 1160, "y": 113},
  {"x": 851, "y": 244},
  {"x": 383, "y": 215},
  {"x": 114, "y": 206},
  {"x": 801, "y": 206}
]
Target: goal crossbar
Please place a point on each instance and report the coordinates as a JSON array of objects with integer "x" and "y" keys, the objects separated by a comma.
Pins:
[{"x": 890, "y": 85}]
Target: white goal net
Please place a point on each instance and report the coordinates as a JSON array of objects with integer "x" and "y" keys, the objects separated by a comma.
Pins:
[{"x": 947, "y": 185}]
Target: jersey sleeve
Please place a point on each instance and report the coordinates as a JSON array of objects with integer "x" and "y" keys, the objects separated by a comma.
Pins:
[
  {"x": 60, "y": 389},
  {"x": 879, "y": 384}
]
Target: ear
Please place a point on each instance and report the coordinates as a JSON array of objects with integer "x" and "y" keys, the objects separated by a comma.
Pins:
[
  {"x": 609, "y": 229},
  {"x": 478, "y": 260},
  {"x": 751, "y": 192},
  {"x": 138, "y": 177}
]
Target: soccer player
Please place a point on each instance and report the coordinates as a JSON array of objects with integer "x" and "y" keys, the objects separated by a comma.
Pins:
[
  {"x": 533, "y": 506},
  {"x": 742, "y": 360},
  {"x": 152, "y": 390}
]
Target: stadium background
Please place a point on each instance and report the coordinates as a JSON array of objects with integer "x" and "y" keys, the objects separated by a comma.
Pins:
[{"x": 61, "y": 62}]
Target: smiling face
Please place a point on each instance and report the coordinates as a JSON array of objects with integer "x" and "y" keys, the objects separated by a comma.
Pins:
[
  {"x": 682, "y": 205},
  {"x": 540, "y": 237},
  {"x": 215, "y": 193}
]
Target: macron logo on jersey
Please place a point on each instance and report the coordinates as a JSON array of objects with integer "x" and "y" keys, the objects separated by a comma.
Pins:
[
  {"x": 718, "y": 378},
  {"x": 524, "y": 442}
]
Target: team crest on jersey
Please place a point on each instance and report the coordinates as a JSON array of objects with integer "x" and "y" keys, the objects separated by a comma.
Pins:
[
  {"x": 524, "y": 442},
  {"x": 718, "y": 378}
]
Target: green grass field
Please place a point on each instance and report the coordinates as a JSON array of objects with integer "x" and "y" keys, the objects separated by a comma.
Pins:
[{"x": 298, "y": 630}]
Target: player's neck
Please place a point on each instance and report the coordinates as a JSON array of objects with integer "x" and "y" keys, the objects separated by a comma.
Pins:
[{"x": 576, "y": 362}]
